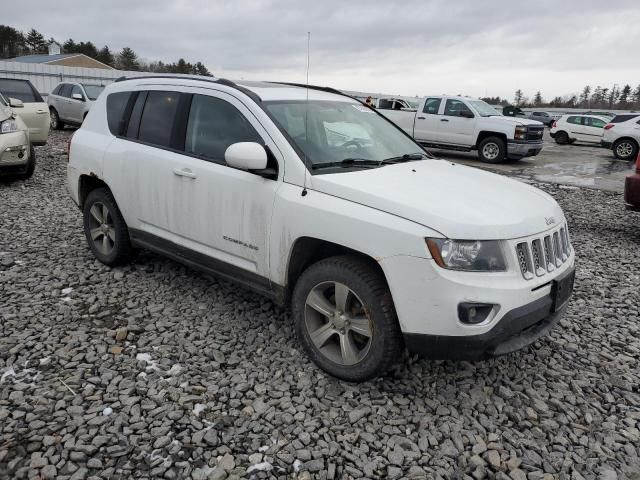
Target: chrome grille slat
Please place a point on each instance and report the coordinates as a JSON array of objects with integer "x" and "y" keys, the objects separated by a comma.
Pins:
[{"x": 542, "y": 255}]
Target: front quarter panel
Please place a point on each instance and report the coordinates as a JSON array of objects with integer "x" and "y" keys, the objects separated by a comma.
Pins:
[{"x": 349, "y": 224}]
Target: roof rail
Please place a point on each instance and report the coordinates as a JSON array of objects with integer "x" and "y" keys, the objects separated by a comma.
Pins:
[{"x": 200, "y": 78}]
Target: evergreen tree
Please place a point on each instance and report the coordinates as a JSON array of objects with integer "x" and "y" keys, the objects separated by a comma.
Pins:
[
  {"x": 636, "y": 97},
  {"x": 105, "y": 56},
  {"x": 624, "y": 98},
  {"x": 128, "y": 60},
  {"x": 585, "y": 96},
  {"x": 518, "y": 98},
  {"x": 537, "y": 100},
  {"x": 200, "y": 69},
  {"x": 69, "y": 46},
  {"x": 35, "y": 42},
  {"x": 12, "y": 42}
]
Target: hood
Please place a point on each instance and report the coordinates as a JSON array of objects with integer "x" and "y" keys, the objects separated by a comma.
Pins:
[
  {"x": 5, "y": 112},
  {"x": 513, "y": 120},
  {"x": 459, "y": 202}
]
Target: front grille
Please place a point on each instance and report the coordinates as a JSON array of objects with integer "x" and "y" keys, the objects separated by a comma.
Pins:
[
  {"x": 538, "y": 256},
  {"x": 534, "y": 133}
]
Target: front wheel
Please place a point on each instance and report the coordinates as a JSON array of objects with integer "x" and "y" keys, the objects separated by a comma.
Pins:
[
  {"x": 345, "y": 320},
  {"x": 492, "y": 150},
  {"x": 105, "y": 228},
  {"x": 625, "y": 149}
]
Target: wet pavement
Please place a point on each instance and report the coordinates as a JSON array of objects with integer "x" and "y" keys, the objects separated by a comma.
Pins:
[{"x": 580, "y": 165}]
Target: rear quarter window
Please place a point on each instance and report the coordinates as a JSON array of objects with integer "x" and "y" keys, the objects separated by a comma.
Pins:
[{"x": 116, "y": 107}]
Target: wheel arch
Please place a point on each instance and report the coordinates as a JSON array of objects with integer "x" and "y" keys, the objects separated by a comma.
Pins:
[
  {"x": 488, "y": 133},
  {"x": 86, "y": 184},
  {"x": 626, "y": 137},
  {"x": 309, "y": 250}
]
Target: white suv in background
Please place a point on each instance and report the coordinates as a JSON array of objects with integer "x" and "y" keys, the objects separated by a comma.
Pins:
[
  {"x": 582, "y": 128},
  {"x": 622, "y": 136},
  {"x": 314, "y": 199},
  {"x": 69, "y": 103}
]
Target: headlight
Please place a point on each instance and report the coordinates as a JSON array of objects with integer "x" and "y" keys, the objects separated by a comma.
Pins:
[
  {"x": 8, "y": 126},
  {"x": 468, "y": 255},
  {"x": 521, "y": 132}
]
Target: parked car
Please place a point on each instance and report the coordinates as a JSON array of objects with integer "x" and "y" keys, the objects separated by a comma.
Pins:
[
  {"x": 375, "y": 244},
  {"x": 622, "y": 136},
  {"x": 27, "y": 102},
  {"x": 581, "y": 128},
  {"x": 387, "y": 103},
  {"x": 464, "y": 124},
  {"x": 513, "y": 111},
  {"x": 542, "y": 117},
  {"x": 69, "y": 103},
  {"x": 632, "y": 188},
  {"x": 17, "y": 155}
]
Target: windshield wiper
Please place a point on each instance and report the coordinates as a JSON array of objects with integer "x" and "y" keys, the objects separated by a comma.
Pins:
[
  {"x": 348, "y": 162},
  {"x": 407, "y": 157}
]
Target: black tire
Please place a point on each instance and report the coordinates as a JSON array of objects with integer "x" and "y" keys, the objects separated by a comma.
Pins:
[
  {"x": 492, "y": 150},
  {"x": 625, "y": 149},
  {"x": 56, "y": 123},
  {"x": 114, "y": 228},
  {"x": 368, "y": 294},
  {"x": 31, "y": 165},
  {"x": 562, "y": 138}
]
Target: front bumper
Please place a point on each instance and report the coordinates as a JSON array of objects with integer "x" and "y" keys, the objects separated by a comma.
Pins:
[
  {"x": 519, "y": 149},
  {"x": 14, "y": 150},
  {"x": 518, "y": 328}
]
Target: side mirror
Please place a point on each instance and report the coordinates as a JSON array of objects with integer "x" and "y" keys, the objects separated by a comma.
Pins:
[
  {"x": 77, "y": 96},
  {"x": 15, "y": 103},
  {"x": 466, "y": 114},
  {"x": 246, "y": 156}
]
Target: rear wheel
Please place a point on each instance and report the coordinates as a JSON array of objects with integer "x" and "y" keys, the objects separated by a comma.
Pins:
[
  {"x": 105, "y": 228},
  {"x": 56, "y": 123},
  {"x": 492, "y": 150},
  {"x": 562, "y": 138},
  {"x": 345, "y": 320},
  {"x": 625, "y": 149}
]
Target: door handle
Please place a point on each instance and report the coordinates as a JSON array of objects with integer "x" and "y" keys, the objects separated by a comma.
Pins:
[
  {"x": 444, "y": 120},
  {"x": 420, "y": 118},
  {"x": 184, "y": 172},
  {"x": 40, "y": 112}
]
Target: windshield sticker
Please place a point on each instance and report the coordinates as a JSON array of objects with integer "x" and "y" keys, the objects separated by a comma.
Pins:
[{"x": 362, "y": 108}]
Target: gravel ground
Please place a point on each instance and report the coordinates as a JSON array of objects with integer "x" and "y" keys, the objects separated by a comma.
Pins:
[{"x": 156, "y": 371}]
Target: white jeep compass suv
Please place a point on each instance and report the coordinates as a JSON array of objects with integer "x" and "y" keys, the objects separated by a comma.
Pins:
[{"x": 316, "y": 200}]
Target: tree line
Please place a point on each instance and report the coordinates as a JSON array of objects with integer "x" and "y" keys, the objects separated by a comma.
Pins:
[
  {"x": 601, "y": 98},
  {"x": 14, "y": 43}
]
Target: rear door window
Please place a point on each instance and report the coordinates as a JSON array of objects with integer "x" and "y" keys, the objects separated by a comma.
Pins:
[
  {"x": 432, "y": 106},
  {"x": 213, "y": 126},
  {"x": 158, "y": 117},
  {"x": 76, "y": 89},
  {"x": 116, "y": 107},
  {"x": 65, "y": 90},
  {"x": 455, "y": 108},
  {"x": 19, "y": 89}
]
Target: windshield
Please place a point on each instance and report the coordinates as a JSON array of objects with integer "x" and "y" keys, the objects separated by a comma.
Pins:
[
  {"x": 93, "y": 91},
  {"x": 339, "y": 131},
  {"x": 483, "y": 108}
]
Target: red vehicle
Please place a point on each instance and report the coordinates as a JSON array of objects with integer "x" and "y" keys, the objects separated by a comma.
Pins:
[{"x": 632, "y": 188}]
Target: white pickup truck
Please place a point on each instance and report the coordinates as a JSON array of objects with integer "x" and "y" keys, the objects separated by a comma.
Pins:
[{"x": 464, "y": 124}]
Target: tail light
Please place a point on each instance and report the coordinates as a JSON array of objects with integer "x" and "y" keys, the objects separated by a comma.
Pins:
[
  {"x": 609, "y": 126},
  {"x": 554, "y": 124}
]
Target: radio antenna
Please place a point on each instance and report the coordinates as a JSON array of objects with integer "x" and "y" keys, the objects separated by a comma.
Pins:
[{"x": 306, "y": 115}]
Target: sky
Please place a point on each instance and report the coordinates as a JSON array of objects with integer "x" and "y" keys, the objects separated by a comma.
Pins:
[{"x": 413, "y": 47}]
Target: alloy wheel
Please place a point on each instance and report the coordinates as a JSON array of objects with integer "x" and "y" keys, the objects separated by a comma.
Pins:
[
  {"x": 337, "y": 323},
  {"x": 103, "y": 233},
  {"x": 54, "y": 119},
  {"x": 624, "y": 149}
]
